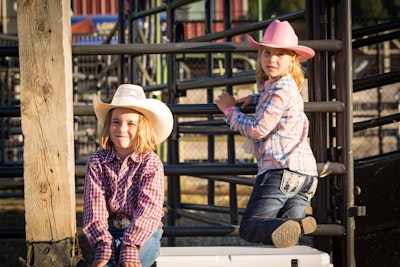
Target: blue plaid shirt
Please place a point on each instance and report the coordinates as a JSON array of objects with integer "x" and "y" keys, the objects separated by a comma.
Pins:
[{"x": 279, "y": 128}]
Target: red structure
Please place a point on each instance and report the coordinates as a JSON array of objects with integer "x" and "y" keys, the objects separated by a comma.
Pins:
[
  {"x": 95, "y": 7},
  {"x": 193, "y": 28}
]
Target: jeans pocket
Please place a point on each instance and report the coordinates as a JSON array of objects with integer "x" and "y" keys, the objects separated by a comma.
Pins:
[
  {"x": 313, "y": 188},
  {"x": 291, "y": 183}
]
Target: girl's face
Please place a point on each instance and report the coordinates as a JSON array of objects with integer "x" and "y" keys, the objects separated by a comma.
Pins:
[
  {"x": 123, "y": 130},
  {"x": 276, "y": 62}
]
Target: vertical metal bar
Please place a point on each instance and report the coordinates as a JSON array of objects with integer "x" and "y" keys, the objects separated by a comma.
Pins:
[
  {"x": 318, "y": 86},
  {"x": 3, "y": 136},
  {"x": 209, "y": 7},
  {"x": 260, "y": 16},
  {"x": 174, "y": 194},
  {"x": 231, "y": 139},
  {"x": 132, "y": 36},
  {"x": 344, "y": 81},
  {"x": 121, "y": 37},
  {"x": 380, "y": 62}
]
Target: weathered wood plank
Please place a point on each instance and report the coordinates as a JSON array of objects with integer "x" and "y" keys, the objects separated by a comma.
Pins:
[{"x": 44, "y": 31}]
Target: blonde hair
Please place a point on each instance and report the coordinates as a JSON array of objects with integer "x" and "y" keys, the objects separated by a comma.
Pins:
[
  {"x": 145, "y": 140},
  {"x": 296, "y": 70}
]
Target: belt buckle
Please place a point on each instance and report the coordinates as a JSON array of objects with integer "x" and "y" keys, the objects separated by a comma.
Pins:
[{"x": 121, "y": 223}]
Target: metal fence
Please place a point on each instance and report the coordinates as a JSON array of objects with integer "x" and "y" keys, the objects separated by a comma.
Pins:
[{"x": 201, "y": 146}]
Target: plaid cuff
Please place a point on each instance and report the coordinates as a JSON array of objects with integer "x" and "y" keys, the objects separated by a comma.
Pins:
[
  {"x": 103, "y": 251},
  {"x": 129, "y": 254}
]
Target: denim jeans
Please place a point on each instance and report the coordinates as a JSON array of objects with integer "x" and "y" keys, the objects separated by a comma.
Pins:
[
  {"x": 277, "y": 196},
  {"x": 148, "y": 253}
]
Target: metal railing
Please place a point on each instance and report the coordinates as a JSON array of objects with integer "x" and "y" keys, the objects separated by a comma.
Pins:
[{"x": 327, "y": 106}]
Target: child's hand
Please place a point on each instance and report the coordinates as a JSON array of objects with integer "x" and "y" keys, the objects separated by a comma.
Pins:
[
  {"x": 99, "y": 263},
  {"x": 225, "y": 100},
  {"x": 245, "y": 101},
  {"x": 131, "y": 264}
]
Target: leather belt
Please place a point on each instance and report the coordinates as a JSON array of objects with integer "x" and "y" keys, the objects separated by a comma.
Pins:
[
  {"x": 124, "y": 223},
  {"x": 119, "y": 223}
]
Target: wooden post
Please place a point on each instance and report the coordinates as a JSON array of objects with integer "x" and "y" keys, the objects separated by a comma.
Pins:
[{"x": 44, "y": 31}]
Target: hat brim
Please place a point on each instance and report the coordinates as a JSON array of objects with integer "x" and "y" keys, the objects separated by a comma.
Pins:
[
  {"x": 304, "y": 52},
  {"x": 155, "y": 111}
]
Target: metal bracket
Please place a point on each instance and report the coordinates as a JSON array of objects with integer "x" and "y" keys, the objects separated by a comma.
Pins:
[{"x": 357, "y": 211}]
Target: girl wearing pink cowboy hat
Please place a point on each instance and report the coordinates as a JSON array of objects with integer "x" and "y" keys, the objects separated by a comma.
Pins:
[
  {"x": 124, "y": 183},
  {"x": 277, "y": 136}
]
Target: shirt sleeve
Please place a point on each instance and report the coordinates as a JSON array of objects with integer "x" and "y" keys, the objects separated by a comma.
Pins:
[
  {"x": 148, "y": 212},
  {"x": 95, "y": 214},
  {"x": 255, "y": 98},
  {"x": 272, "y": 104}
]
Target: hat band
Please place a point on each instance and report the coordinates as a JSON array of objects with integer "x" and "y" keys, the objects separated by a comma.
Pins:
[{"x": 277, "y": 43}]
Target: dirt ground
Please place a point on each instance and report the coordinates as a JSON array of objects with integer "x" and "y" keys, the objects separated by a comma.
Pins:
[{"x": 378, "y": 249}]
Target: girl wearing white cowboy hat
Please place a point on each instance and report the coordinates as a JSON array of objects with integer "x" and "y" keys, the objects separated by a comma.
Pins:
[
  {"x": 287, "y": 172},
  {"x": 124, "y": 183}
]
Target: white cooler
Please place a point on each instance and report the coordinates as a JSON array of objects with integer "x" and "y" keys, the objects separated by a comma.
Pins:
[{"x": 243, "y": 256}]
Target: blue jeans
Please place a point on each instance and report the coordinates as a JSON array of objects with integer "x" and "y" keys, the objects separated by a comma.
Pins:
[
  {"x": 148, "y": 253},
  {"x": 278, "y": 195}
]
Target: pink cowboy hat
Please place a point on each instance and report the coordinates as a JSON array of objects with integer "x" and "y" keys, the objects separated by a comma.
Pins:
[{"x": 281, "y": 35}]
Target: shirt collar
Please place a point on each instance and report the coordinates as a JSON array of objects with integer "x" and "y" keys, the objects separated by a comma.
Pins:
[{"x": 111, "y": 155}]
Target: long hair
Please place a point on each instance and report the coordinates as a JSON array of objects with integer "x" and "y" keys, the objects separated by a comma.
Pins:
[
  {"x": 145, "y": 139},
  {"x": 296, "y": 70}
]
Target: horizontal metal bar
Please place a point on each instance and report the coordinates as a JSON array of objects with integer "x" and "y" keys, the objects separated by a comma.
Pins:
[
  {"x": 203, "y": 109},
  {"x": 12, "y": 232},
  {"x": 189, "y": 109},
  {"x": 171, "y": 48},
  {"x": 187, "y": 169},
  {"x": 200, "y": 217},
  {"x": 137, "y": 49},
  {"x": 194, "y": 169},
  {"x": 376, "y": 81},
  {"x": 323, "y": 45},
  {"x": 206, "y": 130},
  {"x": 207, "y": 208},
  {"x": 7, "y": 37},
  {"x": 188, "y": 231},
  {"x": 147, "y": 12},
  {"x": 329, "y": 106},
  {"x": 329, "y": 230},
  {"x": 12, "y": 111},
  {"x": 376, "y": 29},
  {"x": 376, "y": 39},
  {"x": 244, "y": 77},
  {"x": 359, "y": 126},
  {"x": 9, "y": 51}
]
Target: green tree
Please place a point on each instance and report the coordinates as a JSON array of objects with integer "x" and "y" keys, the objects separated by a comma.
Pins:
[
  {"x": 289, "y": 6},
  {"x": 392, "y": 7},
  {"x": 364, "y": 10},
  {"x": 272, "y": 8}
]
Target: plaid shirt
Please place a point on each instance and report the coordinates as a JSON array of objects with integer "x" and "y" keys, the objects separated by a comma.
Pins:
[
  {"x": 133, "y": 189},
  {"x": 279, "y": 128}
]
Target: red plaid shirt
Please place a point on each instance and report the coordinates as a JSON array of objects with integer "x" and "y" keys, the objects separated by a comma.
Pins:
[{"x": 133, "y": 189}]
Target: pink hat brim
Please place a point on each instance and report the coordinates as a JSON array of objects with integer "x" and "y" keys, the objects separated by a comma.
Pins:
[{"x": 304, "y": 52}]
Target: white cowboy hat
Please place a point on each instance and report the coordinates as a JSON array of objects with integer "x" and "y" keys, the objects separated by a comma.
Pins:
[
  {"x": 132, "y": 96},
  {"x": 281, "y": 35}
]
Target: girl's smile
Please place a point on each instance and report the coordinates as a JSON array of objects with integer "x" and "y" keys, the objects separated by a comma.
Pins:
[{"x": 123, "y": 130}]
